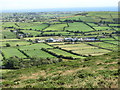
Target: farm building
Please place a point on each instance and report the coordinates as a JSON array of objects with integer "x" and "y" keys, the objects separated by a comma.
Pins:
[
  {"x": 54, "y": 40},
  {"x": 90, "y": 39},
  {"x": 70, "y": 39},
  {"x": 38, "y": 40},
  {"x": 50, "y": 40}
]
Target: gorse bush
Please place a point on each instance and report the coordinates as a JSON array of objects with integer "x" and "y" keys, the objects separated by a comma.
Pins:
[{"x": 17, "y": 63}]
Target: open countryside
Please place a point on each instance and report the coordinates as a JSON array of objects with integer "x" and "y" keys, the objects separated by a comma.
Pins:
[{"x": 60, "y": 49}]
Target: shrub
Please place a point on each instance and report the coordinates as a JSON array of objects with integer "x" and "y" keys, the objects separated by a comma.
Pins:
[
  {"x": 7, "y": 45},
  {"x": 41, "y": 79},
  {"x": 30, "y": 81},
  {"x": 7, "y": 83},
  {"x": 28, "y": 86},
  {"x": 12, "y": 63}
]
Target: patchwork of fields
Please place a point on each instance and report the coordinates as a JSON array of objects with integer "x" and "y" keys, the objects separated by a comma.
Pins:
[
  {"x": 18, "y": 38},
  {"x": 59, "y": 49},
  {"x": 81, "y": 27},
  {"x": 11, "y": 52},
  {"x": 83, "y": 49}
]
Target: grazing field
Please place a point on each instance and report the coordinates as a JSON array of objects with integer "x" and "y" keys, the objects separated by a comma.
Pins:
[
  {"x": 10, "y": 40},
  {"x": 55, "y": 27},
  {"x": 114, "y": 25},
  {"x": 105, "y": 45},
  {"x": 83, "y": 18},
  {"x": 6, "y": 34},
  {"x": 15, "y": 43},
  {"x": 83, "y": 49},
  {"x": 38, "y": 54},
  {"x": 114, "y": 42},
  {"x": 77, "y": 26},
  {"x": 100, "y": 14},
  {"x": 34, "y": 46},
  {"x": 30, "y": 32},
  {"x": 89, "y": 19},
  {"x": 107, "y": 20},
  {"x": 58, "y": 33},
  {"x": 33, "y": 26},
  {"x": 107, "y": 38},
  {"x": 102, "y": 28},
  {"x": 71, "y": 18},
  {"x": 64, "y": 53},
  {"x": 11, "y": 52},
  {"x": 101, "y": 32},
  {"x": 9, "y": 24},
  {"x": 92, "y": 24}
]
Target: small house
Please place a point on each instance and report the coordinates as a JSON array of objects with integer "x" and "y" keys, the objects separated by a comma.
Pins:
[
  {"x": 91, "y": 39},
  {"x": 50, "y": 40}
]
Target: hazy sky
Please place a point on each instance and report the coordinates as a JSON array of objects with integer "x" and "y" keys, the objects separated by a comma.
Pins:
[{"x": 37, "y": 4}]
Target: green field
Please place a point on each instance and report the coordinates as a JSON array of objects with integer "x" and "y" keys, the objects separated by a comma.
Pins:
[
  {"x": 64, "y": 53},
  {"x": 14, "y": 43},
  {"x": 107, "y": 20},
  {"x": 83, "y": 49},
  {"x": 92, "y": 24},
  {"x": 58, "y": 33},
  {"x": 83, "y": 18},
  {"x": 89, "y": 19},
  {"x": 35, "y": 46},
  {"x": 56, "y": 27},
  {"x": 70, "y": 18},
  {"x": 102, "y": 28},
  {"x": 11, "y": 52},
  {"x": 100, "y": 14},
  {"x": 77, "y": 26},
  {"x": 33, "y": 26},
  {"x": 30, "y": 32},
  {"x": 9, "y": 24},
  {"x": 38, "y": 53},
  {"x": 107, "y": 38},
  {"x": 105, "y": 45},
  {"x": 114, "y": 42},
  {"x": 6, "y": 34},
  {"x": 100, "y": 32},
  {"x": 114, "y": 25}
]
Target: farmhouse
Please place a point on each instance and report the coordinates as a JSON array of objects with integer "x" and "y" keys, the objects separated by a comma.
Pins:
[
  {"x": 72, "y": 39},
  {"x": 38, "y": 40},
  {"x": 68, "y": 39},
  {"x": 21, "y": 35},
  {"x": 50, "y": 40},
  {"x": 90, "y": 39}
]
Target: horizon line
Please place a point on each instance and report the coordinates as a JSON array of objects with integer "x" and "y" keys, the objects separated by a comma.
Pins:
[{"x": 65, "y": 8}]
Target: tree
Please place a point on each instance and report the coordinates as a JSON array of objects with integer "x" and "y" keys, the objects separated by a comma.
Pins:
[
  {"x": 17, "y": 45},
  {"x": 7, "y": 45},
  {"x": 4, "y": 37},
  {"x": 12, "y": 63}
]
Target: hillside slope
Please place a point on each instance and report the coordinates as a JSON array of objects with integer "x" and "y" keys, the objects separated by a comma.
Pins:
[{"x": 92, "y": 72}]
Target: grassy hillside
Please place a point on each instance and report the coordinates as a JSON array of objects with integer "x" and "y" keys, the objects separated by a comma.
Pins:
[{"x": 91, "y": 72}]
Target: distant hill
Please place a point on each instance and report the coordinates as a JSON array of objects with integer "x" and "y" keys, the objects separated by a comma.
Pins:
[{"x": 92, "y": 72}]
